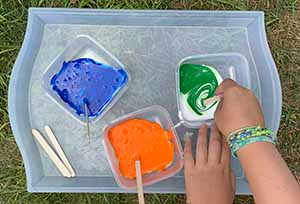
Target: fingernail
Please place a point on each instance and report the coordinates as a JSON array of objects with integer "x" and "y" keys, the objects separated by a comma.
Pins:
[
  {"x": 220, "y": 95},
  {"x": 203, "y": 126},
  {"x": 187, "y": 136},
  {"x": 213, "y": 125}
]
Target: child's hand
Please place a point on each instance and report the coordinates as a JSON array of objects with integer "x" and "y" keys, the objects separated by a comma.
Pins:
[
  {"x": 208, "y": 178},
  {"x": 238, "y": 109}
]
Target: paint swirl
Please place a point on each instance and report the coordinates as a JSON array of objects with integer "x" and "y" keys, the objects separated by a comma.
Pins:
[{"x": 197, "y": 83}]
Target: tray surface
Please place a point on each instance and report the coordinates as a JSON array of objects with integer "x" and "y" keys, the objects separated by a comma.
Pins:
[{"x": 150, "y": 51}]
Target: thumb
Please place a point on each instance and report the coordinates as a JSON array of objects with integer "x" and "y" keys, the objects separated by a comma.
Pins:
[{"x": 227, "y": 83}]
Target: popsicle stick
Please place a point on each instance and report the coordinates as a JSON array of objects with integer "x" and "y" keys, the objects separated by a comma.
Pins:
[
  {"x": 59, "y": 150},
  {"x": 213, "y": 99},
  {"x": 139, "y": 182},
  {"x": 87, "y": 120},
  {"x": 52, "y": 155}
]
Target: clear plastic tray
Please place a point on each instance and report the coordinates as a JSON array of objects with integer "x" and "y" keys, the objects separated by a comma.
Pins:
[
  {"x": 82, "y": 47},
  {"x": 156, "y": 114},
  {"x": 150, "y": 43},
  {"x": 230, "y": 65}
]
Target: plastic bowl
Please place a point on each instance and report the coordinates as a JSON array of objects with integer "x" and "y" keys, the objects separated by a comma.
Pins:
[
  {"x": 156, "y": 114},
  {"x": 83, "y": 47},
  {"x": 229, "y": 65}
]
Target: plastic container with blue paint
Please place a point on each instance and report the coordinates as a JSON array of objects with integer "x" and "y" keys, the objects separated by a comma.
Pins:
[{"x": 83, "y": 48}]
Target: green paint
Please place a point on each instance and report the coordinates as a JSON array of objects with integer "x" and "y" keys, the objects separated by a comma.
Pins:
[{"x": 197, "y": 83}]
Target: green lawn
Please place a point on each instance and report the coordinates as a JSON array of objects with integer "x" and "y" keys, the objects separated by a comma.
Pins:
[{"x": 283, "y": 29}]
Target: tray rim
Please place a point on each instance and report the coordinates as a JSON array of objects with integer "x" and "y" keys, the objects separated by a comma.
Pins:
[{"x": 37, "y": 20}]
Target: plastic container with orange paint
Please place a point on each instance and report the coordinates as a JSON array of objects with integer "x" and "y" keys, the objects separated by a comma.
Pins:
[{"x": 156, "y": 114}]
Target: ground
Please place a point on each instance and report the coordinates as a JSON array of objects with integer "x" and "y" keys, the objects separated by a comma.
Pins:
[{"x": 283, "y": 30}]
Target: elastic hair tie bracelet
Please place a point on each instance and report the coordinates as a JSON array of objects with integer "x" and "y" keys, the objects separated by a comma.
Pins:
[{"x": 245, "y": 136}]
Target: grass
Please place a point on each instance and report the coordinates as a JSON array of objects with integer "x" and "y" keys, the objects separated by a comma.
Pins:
[{"x": 283, "y": 28}]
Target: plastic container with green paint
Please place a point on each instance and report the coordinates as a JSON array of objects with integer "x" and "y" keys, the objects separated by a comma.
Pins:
[{"x": 228, "y": 65}]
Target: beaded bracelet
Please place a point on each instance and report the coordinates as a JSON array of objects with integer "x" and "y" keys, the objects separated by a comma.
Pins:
[
  {"x": 244, "y": 143},
  {"x": 231, "y": 135},
  {"x": 245, "y": 136},
  {"x": 257, "y": 130},
  {"x": 250, "y": 133}
]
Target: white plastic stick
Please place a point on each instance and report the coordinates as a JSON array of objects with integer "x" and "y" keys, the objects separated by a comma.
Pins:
[
  {"x": 59, "y": 150},
  {"x": 52, "y": 155},
  {"x": 139, "y": 182}
]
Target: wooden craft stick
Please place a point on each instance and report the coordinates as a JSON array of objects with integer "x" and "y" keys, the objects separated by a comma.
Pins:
[
  {"x": 139, "y": 182},
  {"x": 59, "y": 150},
  {"x": 87, "y": 120},
  {"x": 52, "y": 155},
  {"x": 213, "y": 99}
]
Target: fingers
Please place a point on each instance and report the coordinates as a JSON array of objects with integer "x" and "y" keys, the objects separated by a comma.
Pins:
[
  {"x": 201, "y": 151},
  {"x": 224, "y": 85},
  {"x": 188, "y": 155},
  {"x": 215, "y": 147},
  {"x": 225, "y": 156}
]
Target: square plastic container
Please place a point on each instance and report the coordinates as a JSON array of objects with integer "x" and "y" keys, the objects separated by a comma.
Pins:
[
  {"x": 229, "y": 65},
  {"x": 156, "y": 114},
  {"x": 83, "y": 47}
]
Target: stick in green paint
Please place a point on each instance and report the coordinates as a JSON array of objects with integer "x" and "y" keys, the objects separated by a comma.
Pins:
[{"x": 197, "y": 83}]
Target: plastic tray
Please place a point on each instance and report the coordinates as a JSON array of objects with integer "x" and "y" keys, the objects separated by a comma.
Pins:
[
  {"x": 156, "y": 114},
  {"x": 150, "y": 44},
  {"x": 230, "y": 65},
  {"x": 82, "y": 47}
]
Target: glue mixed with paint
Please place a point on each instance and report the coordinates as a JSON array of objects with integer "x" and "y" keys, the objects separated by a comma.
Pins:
[
  {"x": 85, "y": 81},
  {"x": 139, "y": 139},
  {"x": 197, "y": 83}
]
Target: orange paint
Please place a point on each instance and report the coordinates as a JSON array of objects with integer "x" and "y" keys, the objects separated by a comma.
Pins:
[{"x": 139, "y": 139}]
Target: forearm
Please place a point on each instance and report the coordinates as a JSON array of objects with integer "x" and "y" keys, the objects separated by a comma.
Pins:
[{"x": 269, "y": 177}]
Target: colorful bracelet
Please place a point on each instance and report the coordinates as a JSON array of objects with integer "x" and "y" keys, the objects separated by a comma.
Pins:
[
  {"x": 257, "y": 130},
  {"x": 245, "y": 136},
  {"x": 242, "y": 144},
  {"x": 231, "y": 135},
  {"x": 250, "y": 133}
]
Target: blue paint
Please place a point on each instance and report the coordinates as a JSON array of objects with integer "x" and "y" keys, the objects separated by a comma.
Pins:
[{"x": 85, "y": 81}]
